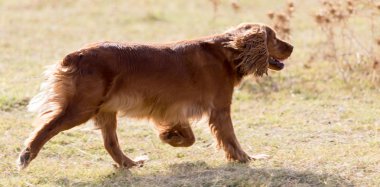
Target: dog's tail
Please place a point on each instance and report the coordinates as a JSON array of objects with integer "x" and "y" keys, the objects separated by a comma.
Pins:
[{"x": 57, "y": 89}]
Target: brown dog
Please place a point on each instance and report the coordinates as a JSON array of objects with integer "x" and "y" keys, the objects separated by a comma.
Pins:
[{"x": 167, "y": 83}]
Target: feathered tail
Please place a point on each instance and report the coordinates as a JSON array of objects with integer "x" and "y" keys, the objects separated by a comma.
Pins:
[{"x": 57, "y": 89}]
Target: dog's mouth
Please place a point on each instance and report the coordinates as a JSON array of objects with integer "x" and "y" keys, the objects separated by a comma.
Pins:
[{"x": 276, "y": 64}]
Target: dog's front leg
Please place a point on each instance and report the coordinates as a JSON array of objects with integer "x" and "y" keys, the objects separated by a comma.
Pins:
[{"x": 221, "y": 126}]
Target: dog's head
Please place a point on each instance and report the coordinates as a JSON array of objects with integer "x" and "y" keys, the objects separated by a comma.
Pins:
[{"x": 258, "y": 49}]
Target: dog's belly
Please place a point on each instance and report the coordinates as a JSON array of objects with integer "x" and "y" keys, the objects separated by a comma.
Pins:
[{"x": 157, "y": 108}]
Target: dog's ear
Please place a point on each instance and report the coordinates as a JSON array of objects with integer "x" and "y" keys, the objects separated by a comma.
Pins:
[{"x": 251, "y": 44}]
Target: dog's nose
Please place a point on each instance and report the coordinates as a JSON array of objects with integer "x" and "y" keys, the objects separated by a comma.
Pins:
[{"x": 291, "y": 48}]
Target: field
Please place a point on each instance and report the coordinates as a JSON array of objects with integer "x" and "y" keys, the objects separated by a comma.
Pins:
[{"x": 319, "y": 122}]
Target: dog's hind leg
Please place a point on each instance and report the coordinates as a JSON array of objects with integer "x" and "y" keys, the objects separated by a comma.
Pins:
[
  {"x": 65, "y": 108},
  {"x": 107, "y": 123},
  {"x": 71, "y": 117}
]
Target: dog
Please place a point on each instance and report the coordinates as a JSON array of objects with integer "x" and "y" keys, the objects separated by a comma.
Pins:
[{"x": 166, "y": 83}]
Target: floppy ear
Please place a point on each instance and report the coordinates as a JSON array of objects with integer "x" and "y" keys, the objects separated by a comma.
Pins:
[{"x": 253, "y": 53}]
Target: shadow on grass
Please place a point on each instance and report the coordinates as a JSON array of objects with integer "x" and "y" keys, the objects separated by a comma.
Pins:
[{"x": 200, "y": 174}]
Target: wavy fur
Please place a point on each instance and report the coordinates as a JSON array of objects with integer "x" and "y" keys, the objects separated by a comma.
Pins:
[{"x": 253, "y": 53}]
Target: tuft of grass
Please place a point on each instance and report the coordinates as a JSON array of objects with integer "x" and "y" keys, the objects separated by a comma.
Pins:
[{"x": 9, "y": 104}]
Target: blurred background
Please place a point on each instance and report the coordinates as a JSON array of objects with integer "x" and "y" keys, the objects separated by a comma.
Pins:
[{"x": 318, "y": 118}]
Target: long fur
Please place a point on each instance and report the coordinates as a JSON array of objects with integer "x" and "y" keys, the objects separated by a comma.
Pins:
[
  {"x": 253, "y": 57},
  {"x": 55, "y": 92}
]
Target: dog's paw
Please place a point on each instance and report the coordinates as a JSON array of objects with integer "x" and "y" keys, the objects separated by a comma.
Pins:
[
  {"x": 24, "y": 159},
  {"x": 128, "y": 163},
  {"x": 242, "y": 157},
  {"x": 238, "y": 156},
  {"x": 171, "y": 137}
]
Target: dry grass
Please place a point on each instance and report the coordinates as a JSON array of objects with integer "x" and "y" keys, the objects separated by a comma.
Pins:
[
  {"x": 320, "y": 129},
  {"x": 281, "y": 20},
  {"x": 356, "y": 56}
]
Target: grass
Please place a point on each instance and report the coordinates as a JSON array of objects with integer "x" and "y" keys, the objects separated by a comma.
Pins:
[{"x": 319, "y": 130}]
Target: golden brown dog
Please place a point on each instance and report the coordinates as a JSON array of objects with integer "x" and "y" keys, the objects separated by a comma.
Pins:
[{"x": 167, "y": 83}]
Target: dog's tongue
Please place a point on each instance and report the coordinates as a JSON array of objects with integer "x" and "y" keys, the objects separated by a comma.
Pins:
[{"x": 276, "y": 64}]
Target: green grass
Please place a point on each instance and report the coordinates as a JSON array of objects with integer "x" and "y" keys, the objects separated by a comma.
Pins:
[{"x": 319, "y": 130}]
